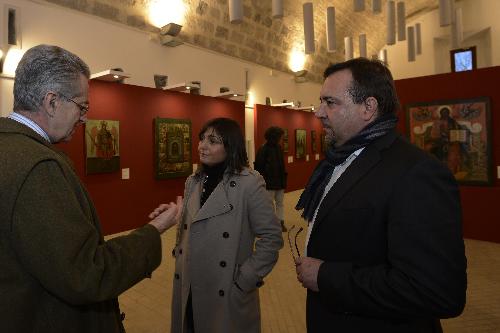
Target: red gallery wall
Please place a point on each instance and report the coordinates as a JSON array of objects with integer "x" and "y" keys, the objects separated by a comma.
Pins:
[
  {"x": 300, "y": 170},
  {"x": 481, "y": 215},
  {"x": 125, "y": 204}
]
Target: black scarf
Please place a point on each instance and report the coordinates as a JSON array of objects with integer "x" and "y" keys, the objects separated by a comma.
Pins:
[
  {"x": 212, "y": 177},
  {"x": 311, "y": 197}
]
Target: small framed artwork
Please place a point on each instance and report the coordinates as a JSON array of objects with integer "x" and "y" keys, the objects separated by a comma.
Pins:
[
  {"x": 102, "y": 146},
  {"x": 314, "y": 147},
  {"x": 300, "y": 143},
  {"x": 323, "y": 142},
  {"x": 172, "y": 148},
  {"x": 458, "y": 133},
  {"x": 463, "y": 59},
  {"x": 285, "y": 140}
]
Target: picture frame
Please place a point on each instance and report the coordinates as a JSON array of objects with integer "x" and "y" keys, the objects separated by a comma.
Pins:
[
  {"x": 172, "y": 148},
  {"x": 102, "y": 146},
  {"x": 458, "y": 133},
  {"x": 285, "y": 140},
  {"x": 300, "y": 143},
  {"x": 314, "y": 147}
]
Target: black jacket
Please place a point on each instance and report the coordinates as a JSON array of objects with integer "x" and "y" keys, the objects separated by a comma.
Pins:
[
  {"x": 269, "y": 163},
  {"x": 390, "y": 235}
]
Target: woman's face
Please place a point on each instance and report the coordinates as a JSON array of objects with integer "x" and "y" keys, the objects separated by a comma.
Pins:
[{"x": 211, "y": 148}]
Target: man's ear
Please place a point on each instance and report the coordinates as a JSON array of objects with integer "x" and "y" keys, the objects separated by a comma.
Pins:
[
  {"x": 49, "y": 103},
  {"x": 371, "y": 108}
]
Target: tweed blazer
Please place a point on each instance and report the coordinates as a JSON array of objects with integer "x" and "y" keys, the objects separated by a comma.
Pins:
[
  {"x": 57, "y": 274},
  {"x": 224, "y": 250},
  {"x": 390, "y": 235}
]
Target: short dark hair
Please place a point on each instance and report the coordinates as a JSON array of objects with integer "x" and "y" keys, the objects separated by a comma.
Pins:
[
  {"x": 233, "y": 140},
  {"x": 370, "y": 78},
  {"x": 45, "y": 68},
  {"x": 273, "y": 134}
]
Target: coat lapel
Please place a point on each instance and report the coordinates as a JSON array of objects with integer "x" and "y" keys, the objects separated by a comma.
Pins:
[
  {"x": 216, "y": 204},
  {"x": 367, "y": 160}
]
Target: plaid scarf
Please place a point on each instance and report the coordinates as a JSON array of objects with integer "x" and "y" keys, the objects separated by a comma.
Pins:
[{"x": 313, "y": 192}]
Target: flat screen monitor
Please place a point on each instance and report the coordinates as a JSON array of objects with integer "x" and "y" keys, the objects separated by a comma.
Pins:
[{"x": 463, "y": 59}]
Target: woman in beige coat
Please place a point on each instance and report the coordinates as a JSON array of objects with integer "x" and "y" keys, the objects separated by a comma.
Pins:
[{"x": 228, "y": 238}]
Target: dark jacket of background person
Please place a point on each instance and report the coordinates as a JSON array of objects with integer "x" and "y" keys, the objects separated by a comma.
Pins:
[
  {"x": 51, "y": 247},
  {"x": 224, "y": 250},
  {"x": 381, "y": 233},
  {"x": 269, "y": 163}
]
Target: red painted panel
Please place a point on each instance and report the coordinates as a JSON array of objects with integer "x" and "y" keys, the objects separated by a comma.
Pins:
[
  {"x": 481, "y": 216},
  {"x": 125, "y": 204}
]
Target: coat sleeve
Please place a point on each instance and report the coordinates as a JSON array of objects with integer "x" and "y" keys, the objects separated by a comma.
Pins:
[
  {"x": 267, "y": 230},
  {"x": 61, "y": 247},
  {"x": 425, "y": 273}
]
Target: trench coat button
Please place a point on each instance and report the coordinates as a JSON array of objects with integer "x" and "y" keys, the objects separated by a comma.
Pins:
[
  {"x": 185, "y": 226},
  {"x": 176, "y": 276},
  {"x": 222, "y": 263},
  {"x": 232, "y": 183},
  {"x": 225, "y": 234},
  {"x": 180, "y": 251},
  {"x": 221, "y": 292},
  {"x": 259, "y": 284}
]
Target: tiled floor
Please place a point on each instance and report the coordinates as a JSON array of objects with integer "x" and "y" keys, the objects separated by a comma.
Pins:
[{"x": 147, "y": 305}]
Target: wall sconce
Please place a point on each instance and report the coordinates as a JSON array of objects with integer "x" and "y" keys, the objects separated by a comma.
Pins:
[
  {"x": 225, "y": 92},
  {"x": 111, "y": 75},
  {"x": 160, "y": 81},
  {"x": 168, "y": 34},
  {"x": 300, "y": 76},
  {"x": 192, "y": 87}
]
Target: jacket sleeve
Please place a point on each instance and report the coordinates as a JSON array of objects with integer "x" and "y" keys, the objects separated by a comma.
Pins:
[
  {"x": 269, "y": 241},
  {"x": 61, "y": 247},
  {"x": 425, "y": 274}
]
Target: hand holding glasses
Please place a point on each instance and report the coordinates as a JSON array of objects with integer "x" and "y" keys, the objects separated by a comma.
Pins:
[{"x": 295, "y": 242}]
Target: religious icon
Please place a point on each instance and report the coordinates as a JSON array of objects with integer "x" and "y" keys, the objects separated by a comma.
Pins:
[
  {"x": 300, "y": 143},
  {"x": 102, "y": 146},
  {"x": 173, "y": 148}
]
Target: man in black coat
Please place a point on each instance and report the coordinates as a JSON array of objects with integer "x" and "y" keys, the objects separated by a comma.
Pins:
[
  {"x": 269, "y": 163},
  {"x": 384, "y": 248}
]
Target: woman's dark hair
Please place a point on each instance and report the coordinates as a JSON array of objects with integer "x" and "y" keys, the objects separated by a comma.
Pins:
[
  {"x": 273, "y": 134},
  {"x": 370, "y": 78},
  {"x": 233, "y": 140}
]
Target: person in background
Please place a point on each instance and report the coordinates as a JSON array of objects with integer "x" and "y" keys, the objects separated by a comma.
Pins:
[
  {"x": 57, "y": 273},
  {"x": 228, "y": 238},
  {"x": 269, "y": 163},
  {"x": 384, "y": 248}
]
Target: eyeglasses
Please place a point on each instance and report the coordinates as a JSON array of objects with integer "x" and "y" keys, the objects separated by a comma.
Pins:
[
  {"x": 295, "y": 241},
  {"x": 83, "y": 109}
]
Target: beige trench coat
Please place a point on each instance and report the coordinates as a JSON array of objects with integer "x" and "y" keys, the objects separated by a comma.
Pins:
[{"x": 233, "y": 239}]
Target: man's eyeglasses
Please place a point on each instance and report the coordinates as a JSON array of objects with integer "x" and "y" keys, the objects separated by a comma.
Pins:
[
  {"x": 295, "y": 241},
  {"x": 83, "y": 109}
]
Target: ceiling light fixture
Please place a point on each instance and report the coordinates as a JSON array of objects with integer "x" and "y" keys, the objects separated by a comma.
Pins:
[
  {"x": 189, "y": 87},
  {"x": 225, "y": 92},
  {"x": 110, "y": 75}
]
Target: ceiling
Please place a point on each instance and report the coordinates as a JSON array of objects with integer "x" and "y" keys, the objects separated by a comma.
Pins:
[{"x": 260, "y": 38}]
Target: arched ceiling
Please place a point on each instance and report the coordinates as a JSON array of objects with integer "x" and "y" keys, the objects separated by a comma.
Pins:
[{"x": 260, "y": 38}]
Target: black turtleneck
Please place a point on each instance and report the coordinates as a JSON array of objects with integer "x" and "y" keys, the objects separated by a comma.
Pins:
[{"x": 212, "y": 175}]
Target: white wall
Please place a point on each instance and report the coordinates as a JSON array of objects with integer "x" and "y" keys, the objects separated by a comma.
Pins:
[
  {"x": 104, "y": 45},
  {"x": 481, "y": 28}
]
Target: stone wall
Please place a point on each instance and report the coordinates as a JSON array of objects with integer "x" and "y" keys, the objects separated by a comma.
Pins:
[{"x": 259, "y": 38}]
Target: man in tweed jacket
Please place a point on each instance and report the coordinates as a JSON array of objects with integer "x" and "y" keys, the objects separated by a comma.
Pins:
[{"x": 57, "y": 274}]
